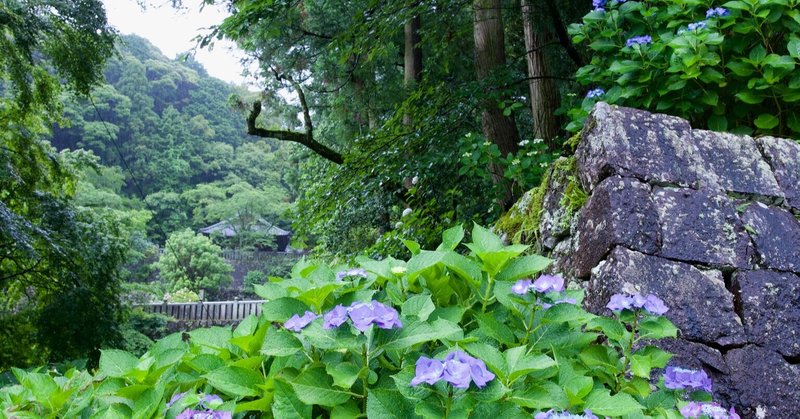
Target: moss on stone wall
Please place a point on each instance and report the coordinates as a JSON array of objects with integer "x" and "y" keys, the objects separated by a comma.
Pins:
[{"x": 521, "y": 223}]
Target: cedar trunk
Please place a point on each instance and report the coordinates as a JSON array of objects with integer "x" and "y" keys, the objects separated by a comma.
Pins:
[
  {"x": 490, "y": 56},
  {"x": 545, "y": 98}
]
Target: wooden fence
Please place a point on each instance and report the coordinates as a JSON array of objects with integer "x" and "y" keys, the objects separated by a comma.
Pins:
[
  {"x": 203, "y": 313},
  {"x": 236, "y": 254}
]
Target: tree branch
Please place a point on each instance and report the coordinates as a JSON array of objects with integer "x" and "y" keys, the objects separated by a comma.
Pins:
[
  {"x": 306, "y": 138},
  {"x": 563, "y": 36}
]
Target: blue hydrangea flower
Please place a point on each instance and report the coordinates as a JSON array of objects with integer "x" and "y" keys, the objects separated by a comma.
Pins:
[
  {"x": 595, "y": 93},
  {"x": 522, "y": 286},
  {"x": 619, "y": 302},
  {"x": 655, "y": 305},
  {"x": 210, "y": 400},
  {"x": 351, "y": 272},
  {"x": 458, "y": 368},
  {"x": 297, "y": 323},
  {"x": 697, "y": 25},
  {"x": 711, "y": 410},
  {"x": 598, "y": 5},
  {"x": 565, "y": 300},
  {"x": 717, "y": 11},
  {"x": 203, "y": 414},
  {"x": 548, "y": 283},
  {"x": 334, "y": 318},
  {"x": 551, "y": 414},
  {"x": 680, "y": 378},
  {"x": 427, "y": 371},
  {"x": 365, "y": 314},
  {"x": 639, "y": 40}
]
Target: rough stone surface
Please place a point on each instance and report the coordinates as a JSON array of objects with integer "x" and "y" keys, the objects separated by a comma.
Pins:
[
  {"x": 714, "y": 321},
  {"x": 701, "y": 226},
  {"x": 763, "y": 384},
  {"x": 619, "y": 212},
  {"x": 554, "y": 224},
  {"x": 776, "y": 234},
  {"x": 734, "y": 163},
  {"x": 784, "y": 157},
  {"x": 771, "y": 309},
  {"x": 633, "y": 143},
  {"x": 725, "y": 256}
]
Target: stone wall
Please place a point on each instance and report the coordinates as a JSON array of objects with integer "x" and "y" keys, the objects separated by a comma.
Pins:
[{"x": 708, "y": 222}]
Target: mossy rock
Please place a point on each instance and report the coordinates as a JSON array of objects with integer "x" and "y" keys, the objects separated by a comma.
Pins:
[{"x": 544, "y": 213}]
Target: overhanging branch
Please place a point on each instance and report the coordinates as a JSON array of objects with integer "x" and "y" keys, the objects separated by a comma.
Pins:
[{"x": 304, "y": 138}]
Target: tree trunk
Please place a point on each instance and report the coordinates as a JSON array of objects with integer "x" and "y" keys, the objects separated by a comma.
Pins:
[
  {"x": 412, "y": 69},
  {"x": 545, "y": 98},
  {"x": 489, "y": 56}
]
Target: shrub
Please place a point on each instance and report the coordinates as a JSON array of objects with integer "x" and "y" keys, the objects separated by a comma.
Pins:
[
  {"x": 193, "y": 262},
  {"x": 441, "y": 335},
  {"x": 727, "y": 67}
]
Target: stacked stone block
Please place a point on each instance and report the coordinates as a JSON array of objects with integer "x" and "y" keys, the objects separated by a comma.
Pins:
[{"x": 708, "y": 222}]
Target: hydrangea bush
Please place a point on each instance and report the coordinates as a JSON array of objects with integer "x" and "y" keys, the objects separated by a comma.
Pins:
[
  {"x": 465, "y": 330},
  {"x": 727, "y": 66}
]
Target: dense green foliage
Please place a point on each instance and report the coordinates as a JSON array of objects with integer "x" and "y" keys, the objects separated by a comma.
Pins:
[
  {"x": 58, "y": 261},
  {"x": 538, "y": 357},
  {"x": 191, "y": 261},
  {"x": 728, "y": 70}
]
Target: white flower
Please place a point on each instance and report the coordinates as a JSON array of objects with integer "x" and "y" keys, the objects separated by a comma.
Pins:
[
  {"x": 467, "y": 154},
  {"x": 487, "y": 143},
  {"x": 398, "y": 270},
  {"x": 414, "y": 180},
  {"x": 515, "y": 162},
  {"x": 406, "y": 212},
  {"x": 398, "y": 224},
  {"x": 538, "y": 140},
  {"x": 530, "y": 153},
  {"x": 523, "y": 143}
]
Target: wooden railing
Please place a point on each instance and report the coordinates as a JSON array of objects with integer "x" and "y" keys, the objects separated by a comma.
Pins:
[{"x": 206, "y": 312}]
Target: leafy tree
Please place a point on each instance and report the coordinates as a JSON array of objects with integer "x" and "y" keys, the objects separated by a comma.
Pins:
[{"x": 193, "y": 262}]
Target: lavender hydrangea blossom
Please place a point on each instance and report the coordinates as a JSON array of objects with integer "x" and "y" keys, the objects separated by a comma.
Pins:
[
  {"x": 639, "y": 40},
  {"x": 595, "y": 93},
  {"x": 427, "y": 371},
  {"x": 458, "y": 368},
  {"x": 203, "y": 414},
  {"x": 548, "y": 283},
  {"x": 712, "y": 410},
  {"x": 598, "y": 5},
  {"x": 522, "y": 286},
  {"x": 335, "y": 317},
  {"x": 681, "y": 378},
  {"x": 551, "y": 414},
  {"x": 651, "y": 303},
  {"x": 351, "y": 272},
  {"x": 717, "y": 11},
  {"x": 697, "y": 25},
  {"x": 297, "y": 323}
]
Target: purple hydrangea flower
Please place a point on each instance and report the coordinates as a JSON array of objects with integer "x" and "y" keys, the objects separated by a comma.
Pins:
[
  {"x": 457, "y": 372},
  {"x": 598, "y": 5},
  {"x": 619, "y": 302},
  {"x": 697, "y": 25},
  {"x": 551, "y": 414},
  {"x": 547, "y": 283},
  {"x": 717, "y": 11},
  {"x": 521, "y": 287},
  {"x": 427, "y": 371},
  {"x": 203, "y": 414},
  {"x": 595, "y": 93},
  {"x": 712, "y": 410},
  {"x": 297, "y": 323},
  {"x": 351, "y": 272},
  {"x": 638, "y": 301},
  {"x": 639, "y": 40},
  {"x": 681, "y": 378},
  {"x": 365, "y": 314},
  {"x": 458, "y": 369},
  {"x": 334, "y": 318},
  {"x": 655, "y": 305}
]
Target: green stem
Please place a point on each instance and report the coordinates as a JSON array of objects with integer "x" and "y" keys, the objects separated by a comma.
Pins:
[{"x": 487, "y": 297}]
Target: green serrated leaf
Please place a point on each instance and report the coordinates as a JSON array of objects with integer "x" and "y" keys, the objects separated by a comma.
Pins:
[
  {"x": 280, "y": 343},
  {"x": 116, "y": 363},
  {"x": 315, "y": 386},
  {"x": 235, "y": 381},
  {"x": 419, "y": 306},
  {"x": 522, "y": 267},
  {"x": 766, "y": 121}
]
